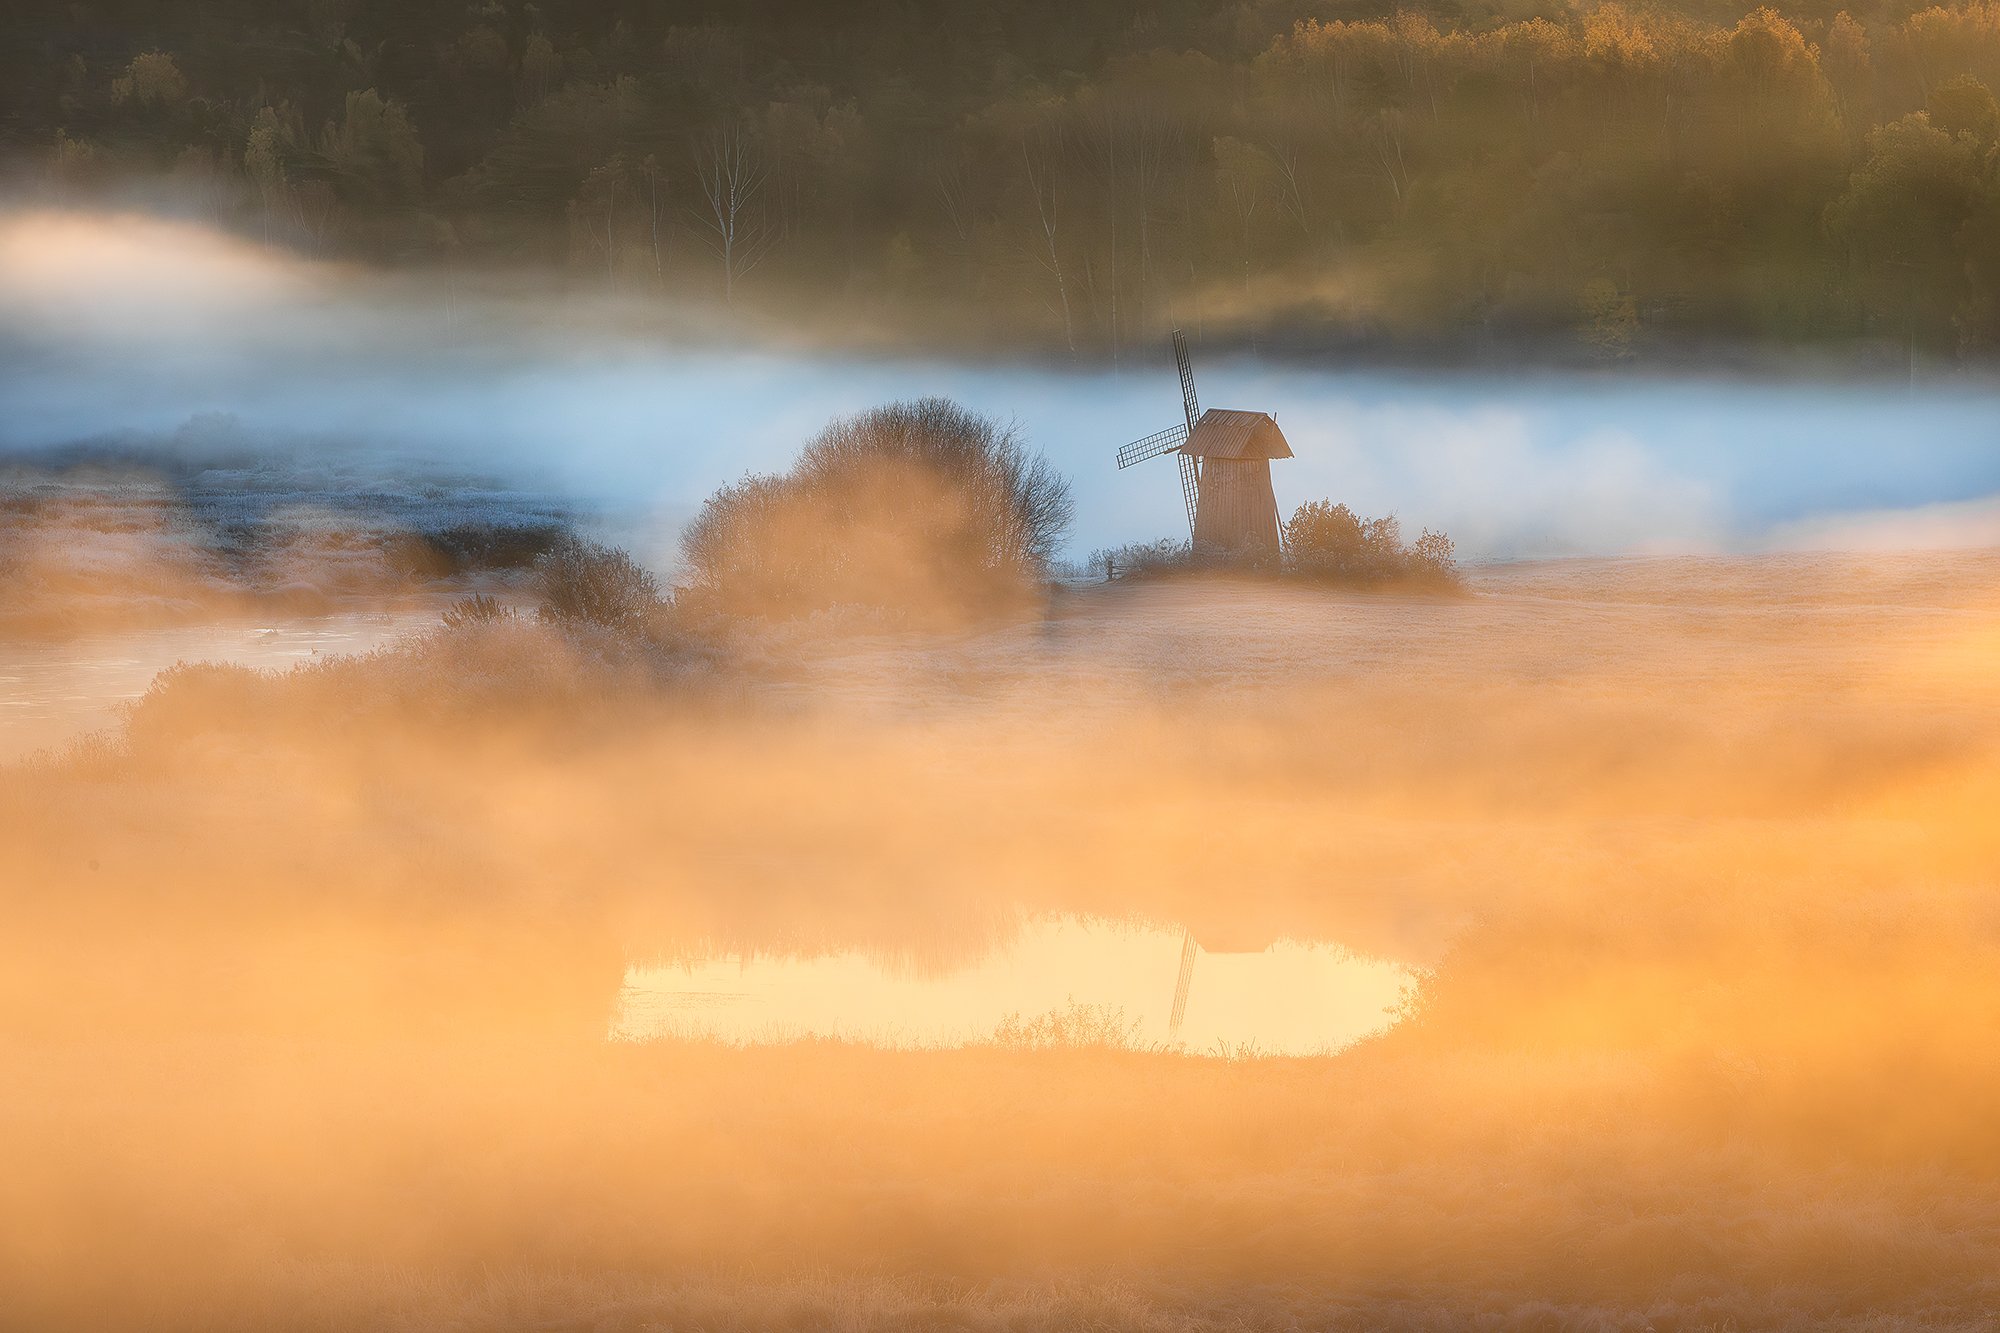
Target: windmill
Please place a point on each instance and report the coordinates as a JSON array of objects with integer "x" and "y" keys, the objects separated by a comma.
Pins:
[
  {"x": 1225, "y": 460},
  {"x": 1234, "y": 938}
]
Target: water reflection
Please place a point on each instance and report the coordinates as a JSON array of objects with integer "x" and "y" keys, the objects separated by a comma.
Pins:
[{"x": 1061, "y": 981}]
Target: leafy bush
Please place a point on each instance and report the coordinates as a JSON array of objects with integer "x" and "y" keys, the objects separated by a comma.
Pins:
[
  {"x": 1329, "y": 541},
  {"x": 1432, "y": 557},
  {"x": 582, "y": 582},
  {"x": 921, "y": 507}
]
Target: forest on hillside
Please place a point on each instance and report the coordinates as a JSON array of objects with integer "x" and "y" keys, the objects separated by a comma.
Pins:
[{"x": 1074, "y": 176}]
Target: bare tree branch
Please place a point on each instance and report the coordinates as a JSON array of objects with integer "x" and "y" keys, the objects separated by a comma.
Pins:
[{"x": 732, "y": 170}]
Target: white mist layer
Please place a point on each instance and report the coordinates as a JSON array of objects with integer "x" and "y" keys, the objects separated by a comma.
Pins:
[{"x": 129, "y": 326}]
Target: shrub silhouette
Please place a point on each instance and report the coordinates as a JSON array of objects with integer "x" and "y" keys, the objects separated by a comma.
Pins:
[
  {"x": 478, "y": 609},
  {"x": 923, "y": 508},
  {"x": 1331, "y": 542},
  {"x": 464, "y": 547},
  {"x": 582, "y": 582},
  {"x": 1144, "y": 559},
  {"x": 1324, "y": 541}
]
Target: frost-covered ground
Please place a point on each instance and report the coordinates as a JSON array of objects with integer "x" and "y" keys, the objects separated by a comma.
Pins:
[
  {"x": 121, "y": 558},
  {"x": 211, "y": 525},
  {"x": 1777, "y": 625}
]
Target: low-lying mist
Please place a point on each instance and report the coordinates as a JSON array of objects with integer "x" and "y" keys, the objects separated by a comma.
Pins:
[
  {"x": 126, "y": 327},
  {"x": 215, "y": 524},
  {"x": 309, "y": 976},
  {"x": 308, "y": 979}
]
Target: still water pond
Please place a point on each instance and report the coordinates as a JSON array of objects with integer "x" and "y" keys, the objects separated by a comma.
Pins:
[{"x": 1060, "y": 981}]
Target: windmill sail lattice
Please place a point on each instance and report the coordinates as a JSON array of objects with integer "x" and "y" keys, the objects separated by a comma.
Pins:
[
  {"x": 1191, "y": 406},
  {"x": 1225, "y": 466},
  {"x": 1182, "y": 983},
  {"x": 1189, "y": 403},
  {"x": 1161, "y": 442}
]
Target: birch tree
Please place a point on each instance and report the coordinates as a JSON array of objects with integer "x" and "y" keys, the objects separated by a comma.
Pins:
[
  {"x": 1042, "y": 185},
  {"x": 732, "y": 170}
]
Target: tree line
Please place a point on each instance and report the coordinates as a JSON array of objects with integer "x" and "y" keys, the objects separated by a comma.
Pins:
[{"x": 1080, "y": 176}]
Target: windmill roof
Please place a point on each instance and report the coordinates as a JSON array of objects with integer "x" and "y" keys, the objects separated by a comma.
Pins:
[{"x": 1225, "y": 432}]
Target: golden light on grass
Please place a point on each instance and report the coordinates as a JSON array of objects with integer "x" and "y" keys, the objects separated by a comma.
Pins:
[{"x": 318, "y": 971}]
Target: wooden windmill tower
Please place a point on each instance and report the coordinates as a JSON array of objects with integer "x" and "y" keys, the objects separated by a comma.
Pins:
[{"x": 1225, "y": 458}]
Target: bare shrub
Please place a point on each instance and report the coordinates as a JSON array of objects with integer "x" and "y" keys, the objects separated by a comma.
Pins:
[
  {"x": 478, "y": 609},
  {"x": 1330, "y": 542},
  {"x": 192, "y": 701},
  {"x": 582, "y": 582},
  {"x": 468, "y": 547},
  {"x": 921, "y": 507},
  {"x": 528, "y": 671},
  {"x": 1144, "y": 559}
]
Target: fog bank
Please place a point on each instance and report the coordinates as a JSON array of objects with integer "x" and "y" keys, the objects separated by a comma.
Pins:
[{"x": 127, "y": 327}]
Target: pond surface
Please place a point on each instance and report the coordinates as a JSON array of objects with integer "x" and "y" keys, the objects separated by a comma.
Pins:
[{"x": 1064, "y": 981}]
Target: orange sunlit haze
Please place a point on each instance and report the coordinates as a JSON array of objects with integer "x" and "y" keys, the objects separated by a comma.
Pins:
[{"x": 999, "y": 665}]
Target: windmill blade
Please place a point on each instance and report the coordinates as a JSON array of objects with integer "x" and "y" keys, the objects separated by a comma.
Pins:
[
  {"x": 1186, "y": 367},
  {"x": 1191, "y": 489},
  {"x": 1162, "y": 442},
  {"x": 1181, "y": 985}
]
